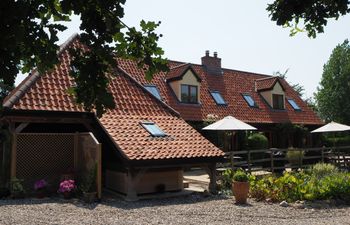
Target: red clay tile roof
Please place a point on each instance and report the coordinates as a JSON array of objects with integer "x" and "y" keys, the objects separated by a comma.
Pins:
[
  {"x": 177, "y": 72},
  {"x": 133, "y": 104},
  {"x": 268, "y": 83},
  {"x": 231, "y": 85}
]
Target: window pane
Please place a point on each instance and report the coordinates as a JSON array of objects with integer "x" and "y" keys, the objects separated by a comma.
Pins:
[
  {"x": 154, "y": 90},
  {"x": 184, "y": 93},
  {"x": 193, "y": 91},
  {"x": 293, "y": 104},
  {"x": 278, "y": 101},
  {"x": 218, "y": 98},
  {"x": 249, "y": 100},
  {"x": 153, "y": 129}
]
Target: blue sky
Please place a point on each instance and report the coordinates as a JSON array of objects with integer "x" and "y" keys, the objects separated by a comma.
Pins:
[{"x": 240, "y": 31}]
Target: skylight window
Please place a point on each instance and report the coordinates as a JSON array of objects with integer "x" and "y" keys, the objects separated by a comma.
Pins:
[
  {"x": 294, "y": 104},
  {"x": 218, "y": 98},
  {"x": 249, "y": 100},
  {"x": 153, "y": 90},
  {"x": 153, "y": 129}
]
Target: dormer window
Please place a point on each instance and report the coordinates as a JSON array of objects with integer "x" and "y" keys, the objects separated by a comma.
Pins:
[
  {"x": 153, "y": 90},
  {"x": 294, "y": 105},
  {"x": 218, "y": 98},
  {"x": 153, "y": 129},
  {"x": 189, "y": 93},
  {"x": 277, "y": 101}
]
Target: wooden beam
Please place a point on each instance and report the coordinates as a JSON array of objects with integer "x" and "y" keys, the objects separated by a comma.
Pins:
[
  {"x": 99, "y": 171},
  {"x": 31, "y": 119},
  {"x": 13, "y": 155},
  {"x": 211, "y": 170},
  {"x": 21, "y": 127}
]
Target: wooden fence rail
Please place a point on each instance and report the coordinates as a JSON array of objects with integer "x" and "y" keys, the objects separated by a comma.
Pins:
[{"x": 277, "y": 160}]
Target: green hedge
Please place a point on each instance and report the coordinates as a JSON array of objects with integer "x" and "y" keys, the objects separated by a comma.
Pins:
[{"x": 337, "y": 141}]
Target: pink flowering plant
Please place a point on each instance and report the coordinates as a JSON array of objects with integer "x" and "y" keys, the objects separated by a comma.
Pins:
[
  {"x": 67, "y": 186},
  {"x": 40, "y": 185}
]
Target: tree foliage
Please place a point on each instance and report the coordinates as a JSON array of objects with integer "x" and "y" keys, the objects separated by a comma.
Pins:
[
  {"x": 313, "y": 13},
  {"x": 29, "y": 39},
  {"x": 332, "y": 97}
]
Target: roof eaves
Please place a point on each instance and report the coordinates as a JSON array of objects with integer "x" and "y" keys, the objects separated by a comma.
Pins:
[
  {"x": 22, "y": 89},
  {"x": 24, "y": 86}
]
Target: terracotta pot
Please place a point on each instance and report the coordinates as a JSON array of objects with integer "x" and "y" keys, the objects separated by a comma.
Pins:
[
  {"x": 67, "y": 195},
  {"x": 41, "y": 193},
  {"x": 240, "y": 190}
]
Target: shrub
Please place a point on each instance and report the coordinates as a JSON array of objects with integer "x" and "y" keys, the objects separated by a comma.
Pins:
[
  {"x": 240, "y": 176},
  {"x": 294, "y": 156},
  {"x": 257, "y": 141},
  {"x": 324, "y": 182},
  {"x": 16, "y": 186},
  {"x": 88, "y": 183},
  {"x": 227, "y": 177},
  {"x": 320, "y": 170},
  {"x": 337, "y": 141}
]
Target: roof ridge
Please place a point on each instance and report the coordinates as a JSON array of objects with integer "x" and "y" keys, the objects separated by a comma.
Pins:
[
  {"x": 227, "y": 69},
  {"x": 266, "y": 78},
  {"x": 181, "y": 65},
  {"x": 23, "y": 87},
  {"x": 172, "y": 110}
]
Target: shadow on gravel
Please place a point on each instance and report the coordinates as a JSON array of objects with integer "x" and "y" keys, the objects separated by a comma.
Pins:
[
  {"x": 118, "y": 202},
  {"x": 180, "y": 200}
]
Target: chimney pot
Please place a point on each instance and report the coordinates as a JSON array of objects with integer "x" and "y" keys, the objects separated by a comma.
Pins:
[{"x": 212, "y": 64}]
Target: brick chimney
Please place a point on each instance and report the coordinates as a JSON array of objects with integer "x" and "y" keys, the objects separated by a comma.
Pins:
[{"x": 212, "y": 64}]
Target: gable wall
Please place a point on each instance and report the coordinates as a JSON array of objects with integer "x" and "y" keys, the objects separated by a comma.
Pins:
[
  {"x": 277, "y": 89},
  {"x": 190, "y": 79}
]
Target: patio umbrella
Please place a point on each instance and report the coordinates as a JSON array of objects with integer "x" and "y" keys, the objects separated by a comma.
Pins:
[
  {"x": 332, "y": 127},
  {"x": 229, "y": 123}
]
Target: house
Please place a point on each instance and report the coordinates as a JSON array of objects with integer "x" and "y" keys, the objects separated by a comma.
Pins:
[
  {"x": 198, "y": 91},
  {"x": 141, "y": 146}
]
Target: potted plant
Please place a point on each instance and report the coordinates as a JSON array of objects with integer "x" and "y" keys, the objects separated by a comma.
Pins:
[
  {"x": 16, "y": 188},
  {"x": 40, "y": 187},
  {"x": 240, "y": 186},
  {"x": 88, "y": 186},
  {"x": 67, "y": 188}
]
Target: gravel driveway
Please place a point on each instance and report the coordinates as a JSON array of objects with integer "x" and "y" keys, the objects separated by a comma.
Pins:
[{"x": 192, "y": 209}]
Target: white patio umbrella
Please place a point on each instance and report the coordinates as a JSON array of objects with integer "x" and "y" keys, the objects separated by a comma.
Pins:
[
  {"x": 229, "y": 123},
  {"x": 332, "y": 127}
]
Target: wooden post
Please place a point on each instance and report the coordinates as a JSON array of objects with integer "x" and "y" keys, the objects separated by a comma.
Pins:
[
  {"x": 338, "y": 156},
  {"x": 99, "y": 171},
  {"x": 13, "y": 155},
  {"x": 272, "y": 163},
  {"x": 322, "y": 155},
  {"x": 300, "y": 158},
  {"x": 231, "y": 159},
  {"x": 212, "y": 175},
  {"x": 249, "y": 168}
]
